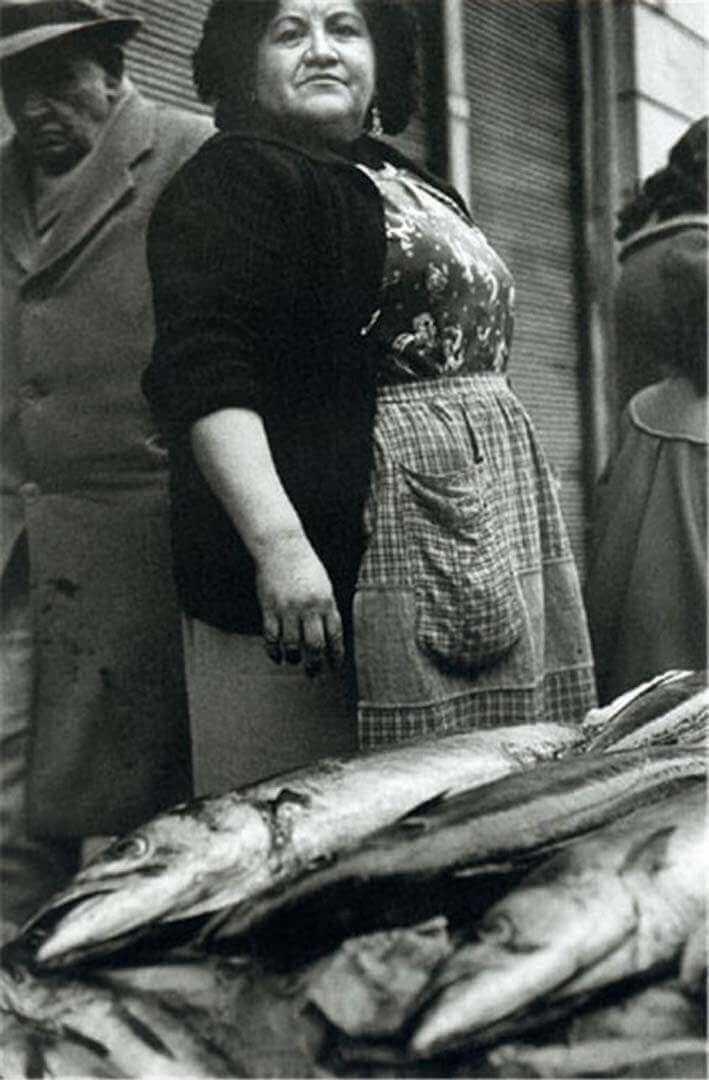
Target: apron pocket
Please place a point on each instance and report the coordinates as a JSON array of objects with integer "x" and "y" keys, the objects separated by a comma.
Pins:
[{"x": 468, "y": 605}]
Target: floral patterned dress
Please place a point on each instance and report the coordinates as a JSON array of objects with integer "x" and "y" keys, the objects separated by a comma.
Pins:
[
  {"x": 447, "y": 298},
  {"x": 468, "y": 611}
]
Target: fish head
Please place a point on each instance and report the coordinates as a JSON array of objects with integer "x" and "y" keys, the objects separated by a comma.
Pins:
[
  {"x": 168, "y": 869},
  {"x": 526, "y": 946}
]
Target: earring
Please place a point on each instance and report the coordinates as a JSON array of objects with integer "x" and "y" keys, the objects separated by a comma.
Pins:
[{"x": 375, "y": 121}]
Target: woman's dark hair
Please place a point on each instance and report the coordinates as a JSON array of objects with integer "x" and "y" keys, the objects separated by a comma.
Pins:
[
  {"x": 678, "y": 188},
  {"x": 223, "y": 63}
]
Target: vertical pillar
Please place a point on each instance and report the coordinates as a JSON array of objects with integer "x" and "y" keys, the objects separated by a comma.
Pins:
[
  {"x": 457, "y": 105},
  {"x": 601, "y": 180}
]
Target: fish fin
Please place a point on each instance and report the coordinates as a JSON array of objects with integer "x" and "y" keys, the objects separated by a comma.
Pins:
[
  {"x": 213, "y": 923},
  {"x": 287, "y": 796},
  {"x": 416, "y": 816},
  {"x": 143, "y": 1031},
  {"x": 320, "y": 862},
  {"x": 520, "y": 860},
  {"x": 86, "y": 1041},
  {"x": 505, "y": 867},
  {"x": 649, "y": 853}
]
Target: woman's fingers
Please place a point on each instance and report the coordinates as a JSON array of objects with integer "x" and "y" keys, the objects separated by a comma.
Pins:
[
  {"x": 313, "y": 643},
  {"x": 272, "y": 636},
  {"x": 300, "y": 616},
  {"x": 291, "y": 638},
  {"x": 314, "y": 638}
]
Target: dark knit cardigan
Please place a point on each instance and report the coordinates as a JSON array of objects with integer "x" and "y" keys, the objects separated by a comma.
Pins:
[{"x": 266, "y": 262}]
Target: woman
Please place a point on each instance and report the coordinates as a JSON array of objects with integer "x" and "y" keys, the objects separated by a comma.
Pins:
[
  {"x": 647, "y": 589},
  {"x": 352, "y": 476}
]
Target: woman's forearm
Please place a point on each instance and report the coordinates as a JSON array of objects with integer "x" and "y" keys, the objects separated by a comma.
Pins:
[
  {"x": 231, "y": 448},
  {"x": 295, "y": 593}
]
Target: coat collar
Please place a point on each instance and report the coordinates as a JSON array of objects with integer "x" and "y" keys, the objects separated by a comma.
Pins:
[
  {"x": 17, "y": 227},
  {"x": 671, "y": 409},
  {"x": 103, "y": 183},
  {"x": 662, "y": 228}
]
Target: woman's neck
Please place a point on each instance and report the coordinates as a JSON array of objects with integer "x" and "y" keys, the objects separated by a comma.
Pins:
[{"x": 319, "y": 139}]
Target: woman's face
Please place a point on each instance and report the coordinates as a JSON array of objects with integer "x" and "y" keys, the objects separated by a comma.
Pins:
[{"x": 316, "y": 69}]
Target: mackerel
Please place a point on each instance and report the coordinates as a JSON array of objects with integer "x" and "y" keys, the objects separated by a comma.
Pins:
[
  {"x": 686, "y": 724},
  {"x": 219, "y": 851},
  {"x": 485, "y": 829},
  {"x": 618, "y": 903},
  {"x": 669, "y": 708},
  {"x": 603, "y": 1058}
]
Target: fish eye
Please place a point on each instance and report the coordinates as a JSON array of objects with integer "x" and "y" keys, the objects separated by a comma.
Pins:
[
  {"x": 128, "y": 847},
  {"x": 496, "y": 930}
]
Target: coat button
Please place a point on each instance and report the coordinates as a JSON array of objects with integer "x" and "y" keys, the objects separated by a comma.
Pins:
[
  {"x": 30, "y": 392},
  {"x": 30, "y": 491}
]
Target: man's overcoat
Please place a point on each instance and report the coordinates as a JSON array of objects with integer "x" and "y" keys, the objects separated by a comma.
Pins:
[{"x": 85, "y": 474}]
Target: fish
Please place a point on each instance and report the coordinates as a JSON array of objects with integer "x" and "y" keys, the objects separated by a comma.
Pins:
[
  {"x": 216, "y": 851},
  {"x": 604, "y": 1058},
  {"x": 615, "y": 904},
  {"x": 20, "y": 1050},
  {"x": 29, "y": 1051},
  {"x": 69, "y": 1024},
  {"x": 672, "y": 707},
  {"x": 489, "y": 829},
  {"x": 686, "y": 724}
]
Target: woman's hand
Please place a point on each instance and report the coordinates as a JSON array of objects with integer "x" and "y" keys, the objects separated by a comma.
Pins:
[{"x": 300, "y": 616}]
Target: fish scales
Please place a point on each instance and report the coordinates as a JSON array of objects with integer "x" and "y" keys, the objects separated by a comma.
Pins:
[
  {"x": 520, "y": 814},
  {"x": 21, "y": 1050},
  {"x": 612, "y": 905},
  {"x": 132, "y": 1033},
  {"x": 214, "y": 852}
]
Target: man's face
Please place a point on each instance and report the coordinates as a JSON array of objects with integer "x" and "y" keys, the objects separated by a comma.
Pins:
[{"x": 58, "y": 100}]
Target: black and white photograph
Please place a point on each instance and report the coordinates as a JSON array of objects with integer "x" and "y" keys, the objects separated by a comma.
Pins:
[{"x": 354, "y": 686}]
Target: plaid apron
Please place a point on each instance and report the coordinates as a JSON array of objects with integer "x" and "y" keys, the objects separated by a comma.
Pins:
[{"x": 468, "y": 611}]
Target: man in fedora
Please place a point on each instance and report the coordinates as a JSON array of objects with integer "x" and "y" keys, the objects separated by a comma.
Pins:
[{"x": 92, "y": 719}]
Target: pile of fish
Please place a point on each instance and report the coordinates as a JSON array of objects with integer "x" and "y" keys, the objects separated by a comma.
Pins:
[
  {"x": 217, "y": 853},
  {"x": 412, "y": 911}
]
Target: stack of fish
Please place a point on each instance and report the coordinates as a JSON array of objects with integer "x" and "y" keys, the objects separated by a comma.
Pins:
[{"x": 426, "y": 903}]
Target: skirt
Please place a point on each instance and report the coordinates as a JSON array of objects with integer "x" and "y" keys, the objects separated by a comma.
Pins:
[{"x": 251, "y": 718}]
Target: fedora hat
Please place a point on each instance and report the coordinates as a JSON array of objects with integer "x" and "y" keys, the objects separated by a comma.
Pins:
[{"x": 25, "y": 24}]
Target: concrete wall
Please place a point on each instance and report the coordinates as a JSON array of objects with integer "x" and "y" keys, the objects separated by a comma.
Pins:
[{"x": 661, "y": 56}]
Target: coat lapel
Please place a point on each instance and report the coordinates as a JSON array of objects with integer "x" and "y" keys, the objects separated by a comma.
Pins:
[
  {"x": 104, "y": 181},
  {"x": 17, "y": 229}
]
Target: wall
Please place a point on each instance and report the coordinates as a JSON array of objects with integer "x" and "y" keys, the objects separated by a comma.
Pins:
[
  {"x": 661, "y": 56},
  {"x": 159, "y": 59}
]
